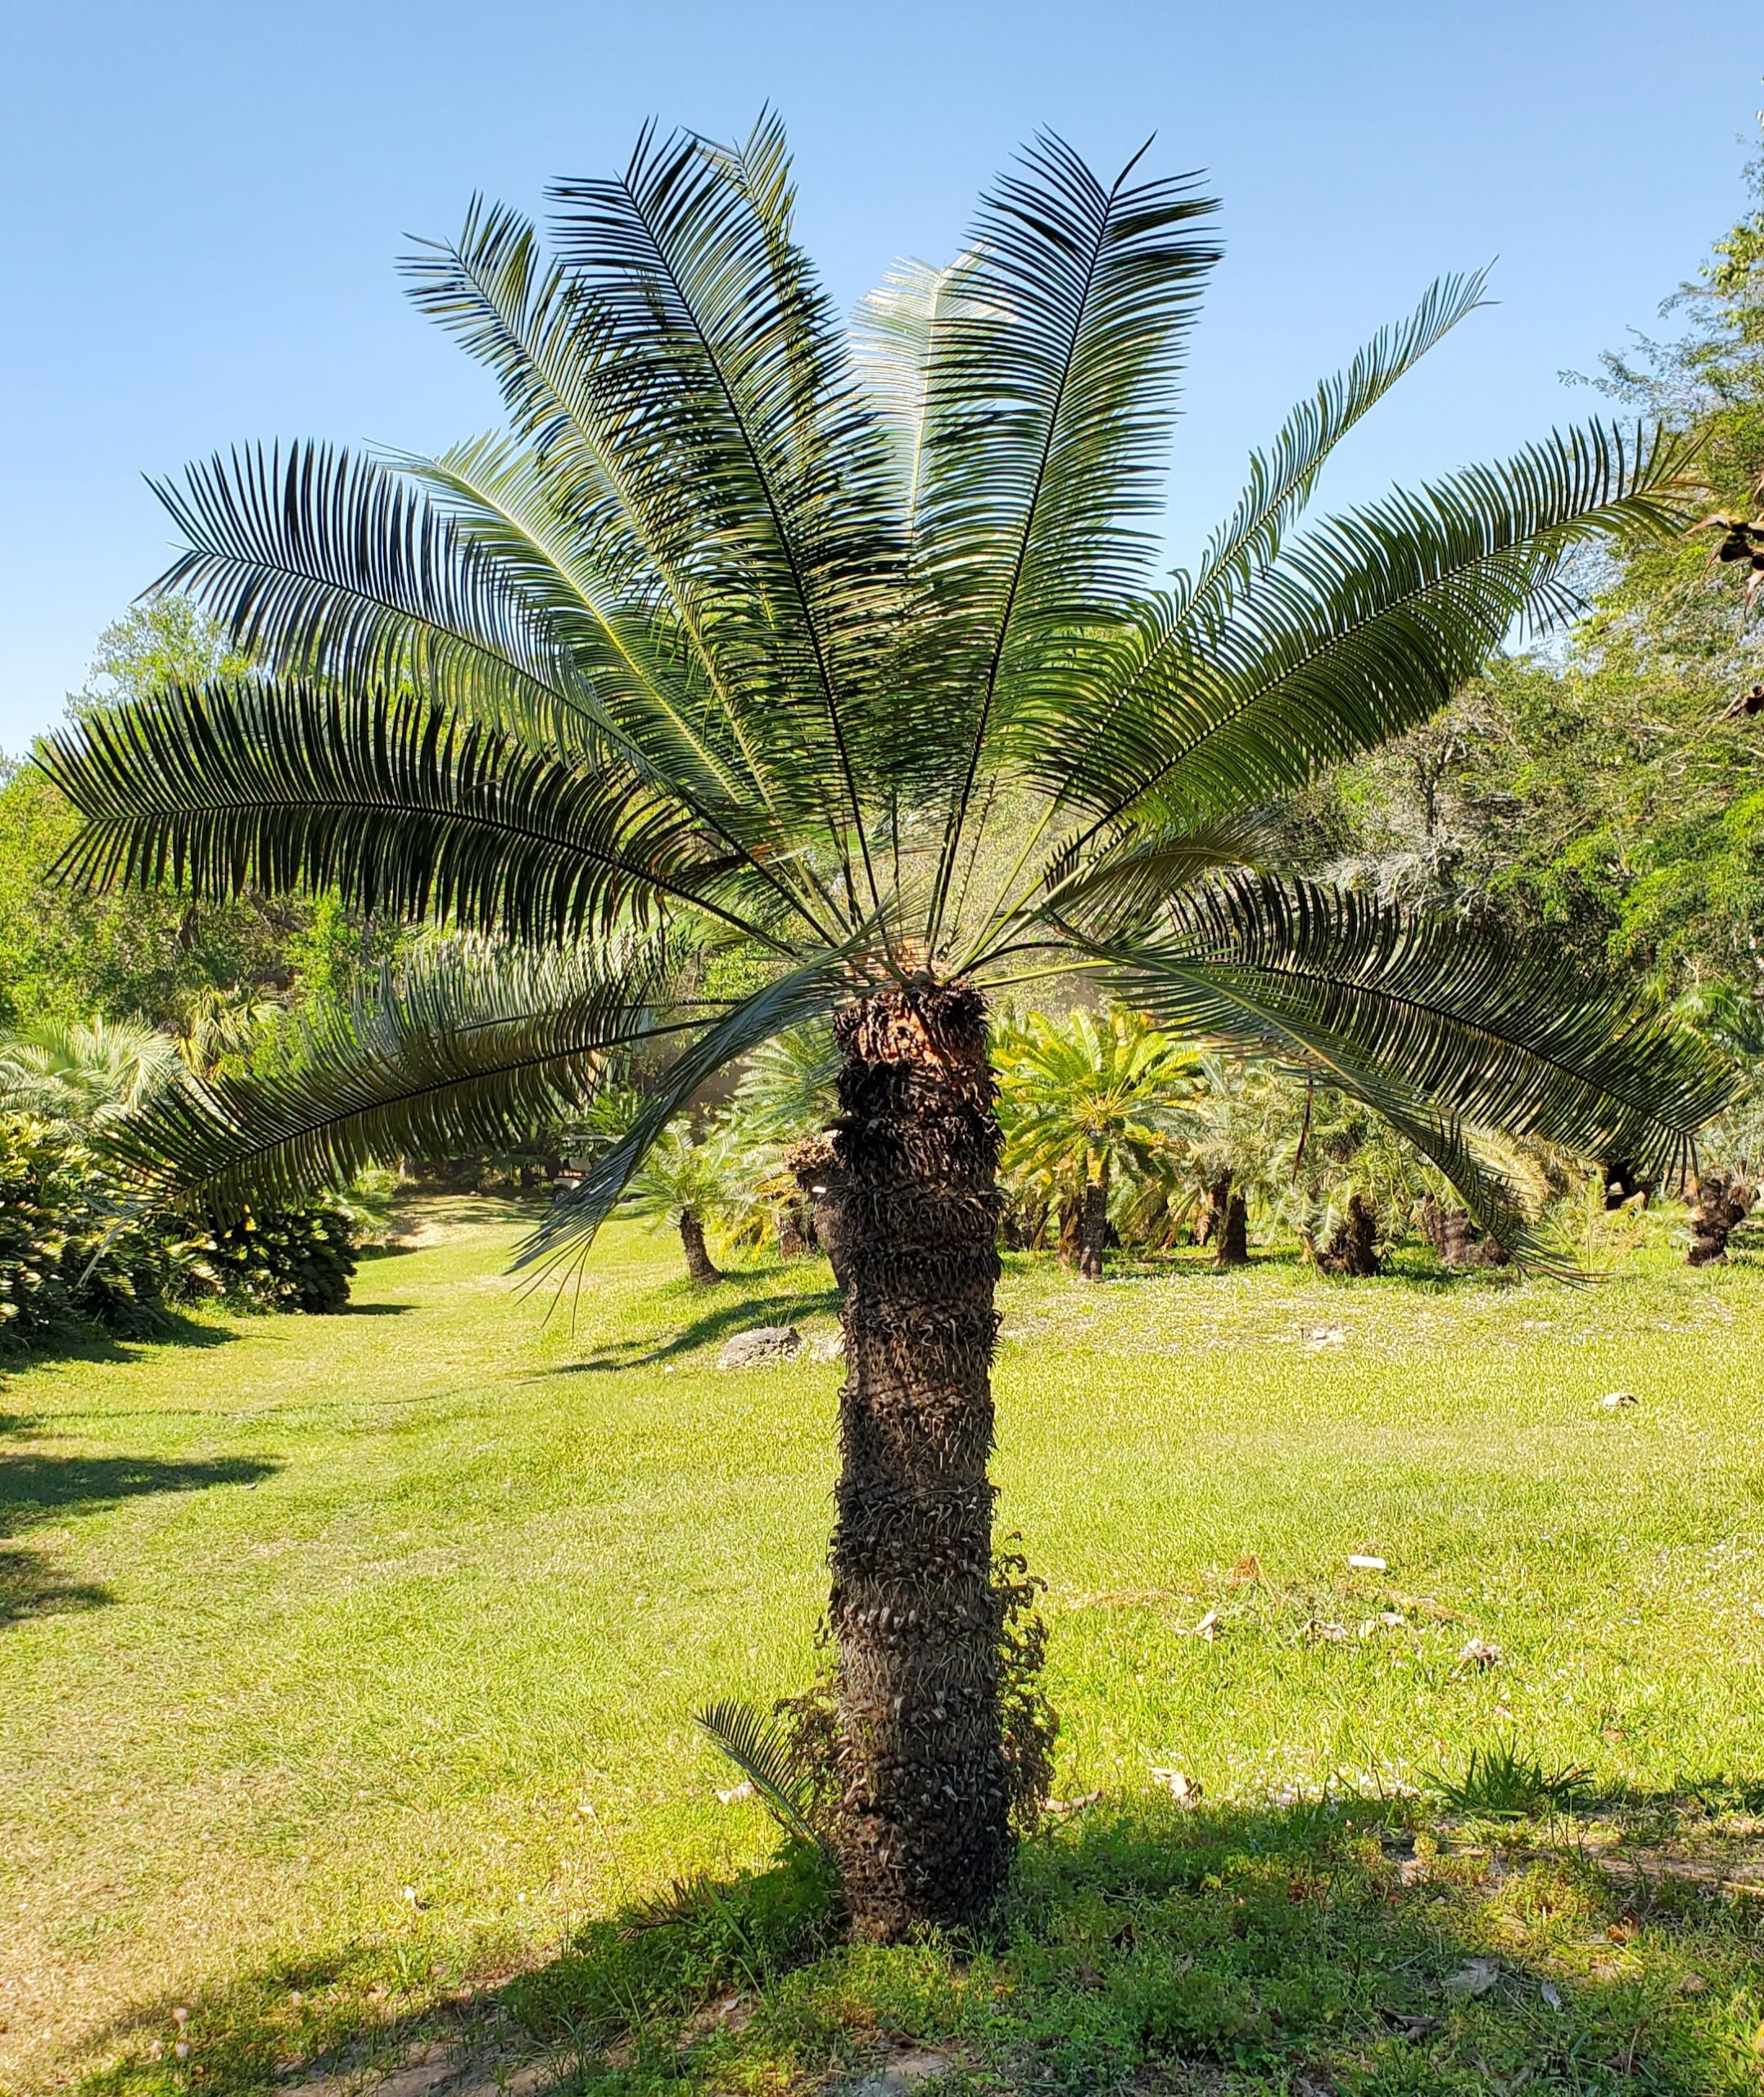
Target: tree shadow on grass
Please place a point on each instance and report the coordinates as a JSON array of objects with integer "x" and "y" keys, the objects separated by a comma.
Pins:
[
  {"x": 714, "y": 1326},
  {"x": 1333, "y": 1945},
  {"x": 168, "y": 1329},
  {"x": 37, "y": 1487}
]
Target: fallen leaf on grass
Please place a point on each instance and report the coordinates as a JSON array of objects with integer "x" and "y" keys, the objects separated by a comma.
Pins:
[
  {"x": 1473, "y": 1979},
  {"x": 1363, "y": 1561},
  {"x": 1407, "y": 2025},
  {"x": 1248, "y": 1568},
  {"x": 1551, "y": 1994},
  {"x": 1073, "y": 1805},
  {"x": 1614, "y": 1400},
  {"x": 735, "y": 1794},
  {"x": 1326, "y": 1634},
  {"x": 1479, "y": 1653},
  {"x": 1184, "y": 1790}
]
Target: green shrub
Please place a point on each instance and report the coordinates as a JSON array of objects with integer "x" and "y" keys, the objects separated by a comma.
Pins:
[
  {"x": 72, "y": 1256},
  {"x": 297, "y": 1258},
  {"x": 77, "y": 1255}
]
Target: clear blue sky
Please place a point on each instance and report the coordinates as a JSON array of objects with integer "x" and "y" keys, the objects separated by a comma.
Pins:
[{"x": 205, "y": 200}]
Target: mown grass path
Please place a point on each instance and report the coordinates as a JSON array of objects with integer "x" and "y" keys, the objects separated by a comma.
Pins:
[{"x": 368, "y": 1647}]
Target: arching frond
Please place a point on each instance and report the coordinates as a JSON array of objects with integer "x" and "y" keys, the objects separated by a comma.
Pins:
[
  {"x": 1282, "y": 479},
  {"x": 390, "y": 801},
  {"x": 808, "y": 992},
  {"x": 582, "y": 497},
  {"x": 464, "y": 1049},
  {"x": 896, "y": 331},
  {"x": 1051, "y": 389},
  {"x": 316, "y": 562},
  {"x": 728, "y": 378},
  {"x": 1360, "y": 630},
  {"x": 1428, "y": 1021}
]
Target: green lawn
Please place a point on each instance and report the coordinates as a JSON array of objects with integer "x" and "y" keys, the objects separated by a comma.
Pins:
[{"x": 353, "y": 1660}]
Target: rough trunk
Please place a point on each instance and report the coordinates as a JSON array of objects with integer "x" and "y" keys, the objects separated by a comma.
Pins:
[
  {"x": 1071, "y": 1229},
  {"x": 1231, "y": 1226},
  {"x": 1354, "y": 1249},
  {"x": 1093, "y": 1228},
  {"x": 818, "y": 1173},
  {"x": 921, "y": 1828},
  {"x": 699, "y": 1263},
  {"x": 1453, "y": 1236},
  {"x": 1723, "y": 1203}
]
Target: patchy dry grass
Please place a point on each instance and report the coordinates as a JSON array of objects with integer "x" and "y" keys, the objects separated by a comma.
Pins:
[{"x": 346, "y": 1668}]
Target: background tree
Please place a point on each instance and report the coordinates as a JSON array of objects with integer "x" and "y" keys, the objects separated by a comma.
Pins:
[
  {"x": 65, "y": 954},
  {"x": 852, "y": 665},
  {"x": 693, "y": 1186},
  {"x": 1081, "y": 1101}
]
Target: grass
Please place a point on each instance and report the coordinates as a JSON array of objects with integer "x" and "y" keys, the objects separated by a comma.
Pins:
[{"x": 346, "y": 1669}]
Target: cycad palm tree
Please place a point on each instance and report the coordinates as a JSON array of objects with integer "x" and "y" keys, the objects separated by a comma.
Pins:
[
  {"x": 850, "y": 653},
  {"x": 83, "y": 1072},
  {"x": 689, "y": 1183},
  {"x": 1082, "y": 1100}
]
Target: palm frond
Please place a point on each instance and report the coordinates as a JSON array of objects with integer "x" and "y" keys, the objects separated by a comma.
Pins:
[
  {"x": 808, "y": 992},
  {"x": 728, "y": 377},
  {"x": 402, "y": 810},
  {"x": 1361, "y": 629},
  {"x": 1282, "y": 479},
  {"x": 1051, "y": 390},
  {"x": 896, "y": 331},
  {"x": 1110, "y": 894},
  {"x": 759, "y": 1750},
  {"x": 465, "y": 1049},
  {"x": 579, "y": 502},
  {"x": 1441, "y": 1026},
  {"x": 315, "y": 562}
]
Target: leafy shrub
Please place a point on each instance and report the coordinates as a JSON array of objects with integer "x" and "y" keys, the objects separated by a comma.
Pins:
[
  {"x": 297, "y": 1258},
  {"x": 76, "y": 1255},
  {"x": 71, "y": 1255}
]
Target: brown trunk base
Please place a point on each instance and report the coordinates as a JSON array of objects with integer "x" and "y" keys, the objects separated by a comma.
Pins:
[
  {"x": 1454, "y": 1238},
  {"x": 1092, "y": 1232},
  {"x": 818, "y": 1174},
  {"x": 1353, "y": 1251},
  {"x": 1723, "y": 1203},
  {"x": 699, "y": 1265},
  {"x": 1231, "y": 1227}
]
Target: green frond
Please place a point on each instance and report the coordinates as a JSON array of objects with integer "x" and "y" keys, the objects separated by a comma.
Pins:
[
  {"x": 1052, "y": 383},
  {"x": 728, "y": 376},
  {"x": 808, "y": 992},
  {"x": 896, "y": 331},
  {"x": 759, "y": 1750},
  {"x": 465, "y": 1049},
  {"x": 400, "y": 808},
  {"x": 315, "y": 562},
  {"x": 1281, "y": 479},
  {"x": 578, "y": 502},
  {"x": 1441, "y": 1026},
  {"x": 1359, "y": 630},
  {"x": 1111, "y": 893}
]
